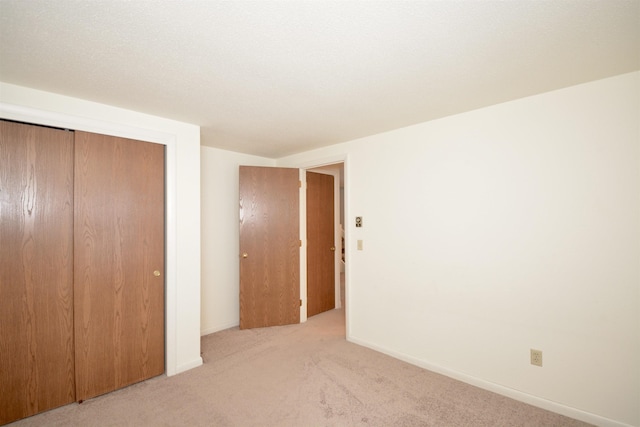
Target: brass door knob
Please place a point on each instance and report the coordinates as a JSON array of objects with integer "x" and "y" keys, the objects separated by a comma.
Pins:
[
  {"x": 333, "y": 248},
  {"x": 156, "y": 273},
  {"x": 245, "y": 255}
]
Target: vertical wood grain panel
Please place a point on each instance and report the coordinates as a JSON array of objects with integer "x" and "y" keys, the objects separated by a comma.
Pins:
[
  {"x": 36, "y": 291},
  {"x": 119, "y": 243},
  {"x": 320, "y": 240},
  {"x": 269, "y": 235}
]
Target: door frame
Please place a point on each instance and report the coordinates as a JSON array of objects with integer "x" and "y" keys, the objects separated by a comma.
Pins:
[
  {"x": 342, "y": 158},
  {"x": 337, "y": 238},
  {"x": 47, "y": 118}
]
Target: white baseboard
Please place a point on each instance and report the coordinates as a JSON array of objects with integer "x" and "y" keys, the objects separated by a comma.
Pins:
[
  {"x": 497, "y": 388},
  {"x": 185, "y": 367},
  {"x": 218, "y": 328}
]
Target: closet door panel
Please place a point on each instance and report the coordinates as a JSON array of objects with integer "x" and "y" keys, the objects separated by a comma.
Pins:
[
  {"x": 119, "y": 262},
  {"x": 36, "y": 278}
]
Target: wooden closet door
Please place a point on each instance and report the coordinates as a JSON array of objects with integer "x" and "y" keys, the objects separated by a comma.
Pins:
[
  {"x": 119, "y": 262},
  {"x": 36, "y": 282}
]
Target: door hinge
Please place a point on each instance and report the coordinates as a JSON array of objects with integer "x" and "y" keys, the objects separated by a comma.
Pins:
[
  {"x": 300, "y": 243},
  {"x": 299, "y": 184},
  {"x": 300, "y": 303}
]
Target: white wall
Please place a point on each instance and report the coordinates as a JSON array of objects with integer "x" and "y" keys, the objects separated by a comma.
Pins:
[
  {"x": 503, "y": 229},
  {"x": 183, "y": 197},
  {"x": 220, "y": 231}
]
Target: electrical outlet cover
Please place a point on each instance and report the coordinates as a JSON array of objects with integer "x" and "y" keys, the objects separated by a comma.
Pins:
[{"x": 536, "y": 357}]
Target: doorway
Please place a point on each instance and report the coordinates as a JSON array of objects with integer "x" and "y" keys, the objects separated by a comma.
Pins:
[{"x": 255, "y": 265}]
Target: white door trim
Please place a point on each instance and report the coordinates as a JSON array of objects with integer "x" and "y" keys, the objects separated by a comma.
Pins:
[{"x": 304, "y": 166}]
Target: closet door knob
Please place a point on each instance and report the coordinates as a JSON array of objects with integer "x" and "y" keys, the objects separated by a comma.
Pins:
[
  {"x": 333, "y": 248},
  {"x": 156, "y": 273},
  {"x": 245, "y": 255}
]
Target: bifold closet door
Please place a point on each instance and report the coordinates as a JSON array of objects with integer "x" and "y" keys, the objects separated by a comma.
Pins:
[
  {"x": 36, "y": 274},
  {"x": 118, "y": 262}
]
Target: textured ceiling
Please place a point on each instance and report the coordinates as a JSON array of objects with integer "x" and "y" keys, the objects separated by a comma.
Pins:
[{"x": 273, "y": 78}]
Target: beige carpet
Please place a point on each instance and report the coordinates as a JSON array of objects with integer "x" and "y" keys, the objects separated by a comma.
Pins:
[{"x": 299, "y": 375}]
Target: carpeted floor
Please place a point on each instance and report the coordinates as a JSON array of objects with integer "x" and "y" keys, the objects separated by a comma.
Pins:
[{"x": 298, "y": 375}]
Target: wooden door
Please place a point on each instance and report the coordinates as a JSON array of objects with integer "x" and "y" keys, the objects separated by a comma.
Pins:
[
  {"x": 269, "y": 247},
  {"x": 36, "y": 278},
  {"x": 119, "y": 262},
  {"x": 321, "y": 256}
]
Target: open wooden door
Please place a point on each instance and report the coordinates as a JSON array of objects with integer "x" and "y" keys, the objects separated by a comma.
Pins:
[
  {"x": 321, "y": 256},
  {"x": 118, "y": 262},
  {"x": 269, "y": 246}
]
